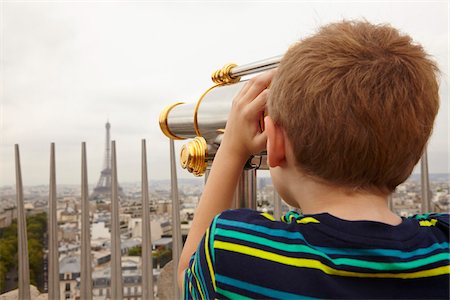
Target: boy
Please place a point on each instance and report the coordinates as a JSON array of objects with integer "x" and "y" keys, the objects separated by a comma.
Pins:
[{"x": 350, "y": 111}]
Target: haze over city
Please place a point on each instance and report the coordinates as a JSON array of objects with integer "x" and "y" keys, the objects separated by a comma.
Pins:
[{"x": 68, "y": 67}]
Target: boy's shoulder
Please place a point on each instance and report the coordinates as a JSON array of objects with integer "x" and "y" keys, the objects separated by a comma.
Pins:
[
  {"x": 429, "y": 216},
  {"x": 440, "y": 220},
  {"x": 249, "y": 218},
  {"x": 317, "y": 227},
  {"x": 245, "y": 215}
]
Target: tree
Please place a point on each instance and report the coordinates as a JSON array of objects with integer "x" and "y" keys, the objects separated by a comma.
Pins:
[
  {"x": 135, "y": 251},
  {"x": 36, "y": 228}
]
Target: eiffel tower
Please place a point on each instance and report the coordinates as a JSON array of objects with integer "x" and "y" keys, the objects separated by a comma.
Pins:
[{"x": 103, "y": 188}]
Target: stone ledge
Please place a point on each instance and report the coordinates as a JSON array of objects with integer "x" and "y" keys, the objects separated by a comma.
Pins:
[{"x": 14, "y": 294}]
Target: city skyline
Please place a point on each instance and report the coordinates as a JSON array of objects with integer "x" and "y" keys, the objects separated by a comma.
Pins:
[{"x": 72, "y": 66}]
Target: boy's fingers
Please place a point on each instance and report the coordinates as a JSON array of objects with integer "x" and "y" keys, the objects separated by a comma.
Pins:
[
  {"x": 260, "y": 102},
  {"x": 257, "y": 85},
  {"x": 243, "y": 90},
  {"x": 260, "y": 141}
]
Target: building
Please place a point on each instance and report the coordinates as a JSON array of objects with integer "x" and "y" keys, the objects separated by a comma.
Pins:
[
  {"x": 7, "y": 215},
  {"x": 131, "y": 276},
  {"x": 69, "y": 274}
]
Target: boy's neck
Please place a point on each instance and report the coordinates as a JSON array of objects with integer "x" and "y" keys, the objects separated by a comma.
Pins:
[{"x": 314, "y": 197}]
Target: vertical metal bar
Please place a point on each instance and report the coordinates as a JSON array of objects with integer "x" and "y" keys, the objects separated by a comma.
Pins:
[
  {"x": 53, "y": 261},
  {"x": 237, "y": 196},
  {"x": 207, "y": 174},
  {"x": 425, "y": 183},
  {"x": 116, "y": 255},
  {"x": 245, "y": 196},
  {"x": 86, "y": 267},
  {"x": 24, "y": 271},
  {"x": 250, "y": 185},
  {"x": 147, "y": 261},
  {"x": 176, "y": 226},
  {"x": 276, "y": 205},
  {"x": 390, "y": 204}
]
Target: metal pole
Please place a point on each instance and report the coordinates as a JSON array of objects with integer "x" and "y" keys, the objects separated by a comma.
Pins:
[
  {"x": 176, "y": 226},
  {"x": 53, "y": 261},
  {"x": 24, "y": 270},
  {"x": 207, "y": 174},
  {"x": 116, "y": 255},
  {"x": 276, "y": 205},
  {"x": 147, "y": 261},
  {"x": 237, "y": 201},
  {"x": 245, "y": 196},
  {"x": 425, "y": 183},
  {"x": 390, "y": 204},
  {"x": 86, "y": 267}
]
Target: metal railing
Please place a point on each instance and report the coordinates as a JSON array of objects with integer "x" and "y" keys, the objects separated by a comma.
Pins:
[
  {"x": 85, "y": 259},
  {"x": 147, "y": 265}
]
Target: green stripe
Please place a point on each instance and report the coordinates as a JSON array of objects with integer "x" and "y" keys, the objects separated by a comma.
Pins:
[
  {"x": 212, "y": 233},
  {"x": 287, "y": 218},
  {"x": 422, "y": 216},
  {"x": 198, "y": 274},
  {"x": 231, "y": 295},
  {"x": 258, "y": 289},
  {"x": 267, "y": 242},
  {"x": 381, "y": 266},
  {"x": 186, "y": 283},
  {"x": 427, "y": 216}
]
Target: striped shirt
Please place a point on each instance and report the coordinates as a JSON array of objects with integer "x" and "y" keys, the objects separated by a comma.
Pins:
[{"x": 247, "y": 254}]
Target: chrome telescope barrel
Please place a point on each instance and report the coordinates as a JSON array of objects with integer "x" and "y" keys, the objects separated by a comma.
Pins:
[
  {"x": 256, "y": 67},
  {"x": 205, "y": 120}
]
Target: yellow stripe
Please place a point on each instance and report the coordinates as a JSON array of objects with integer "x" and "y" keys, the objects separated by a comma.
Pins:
[
  {"x": 315, "y": 264},
  {"x": 196, "y": 279},
  {"x": 208, "y": 260},
  {"x": 268, "y": 216},
  {"x": 307, "y": 220},
  {"x": 426, "y": 223}
]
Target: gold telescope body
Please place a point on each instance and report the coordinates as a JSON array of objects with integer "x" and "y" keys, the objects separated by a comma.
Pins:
[{"x": 204, "y": 121}]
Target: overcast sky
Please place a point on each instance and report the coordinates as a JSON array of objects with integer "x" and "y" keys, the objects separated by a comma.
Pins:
[{"x": 68, "y": 66}]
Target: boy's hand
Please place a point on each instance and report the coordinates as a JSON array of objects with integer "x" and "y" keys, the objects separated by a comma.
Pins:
[{"x": 243, "y": 136}]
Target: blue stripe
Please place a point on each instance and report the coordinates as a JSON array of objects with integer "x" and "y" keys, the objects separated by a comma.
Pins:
[
  {"x": 386, "y": 252},
  {"x": 199, "y": 274},
  {"x": 257, "y": 289},
  {"x": 263, "y": 229},
  {"x": 192, "y": 290},
  {"x": 340, "y": 251},
  {"x": 186, "y": 279},
  {"x": 212, "y": 233}
]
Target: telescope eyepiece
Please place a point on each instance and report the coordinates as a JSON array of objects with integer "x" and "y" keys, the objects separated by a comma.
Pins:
[{"x": 194, "y": 156}]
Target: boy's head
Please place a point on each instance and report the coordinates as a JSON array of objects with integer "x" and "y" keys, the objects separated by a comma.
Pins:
[{"x": 357, "y": 102}]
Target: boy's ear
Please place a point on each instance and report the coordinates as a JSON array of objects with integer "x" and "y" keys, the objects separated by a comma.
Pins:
[{"x": 276, "y": 153}]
